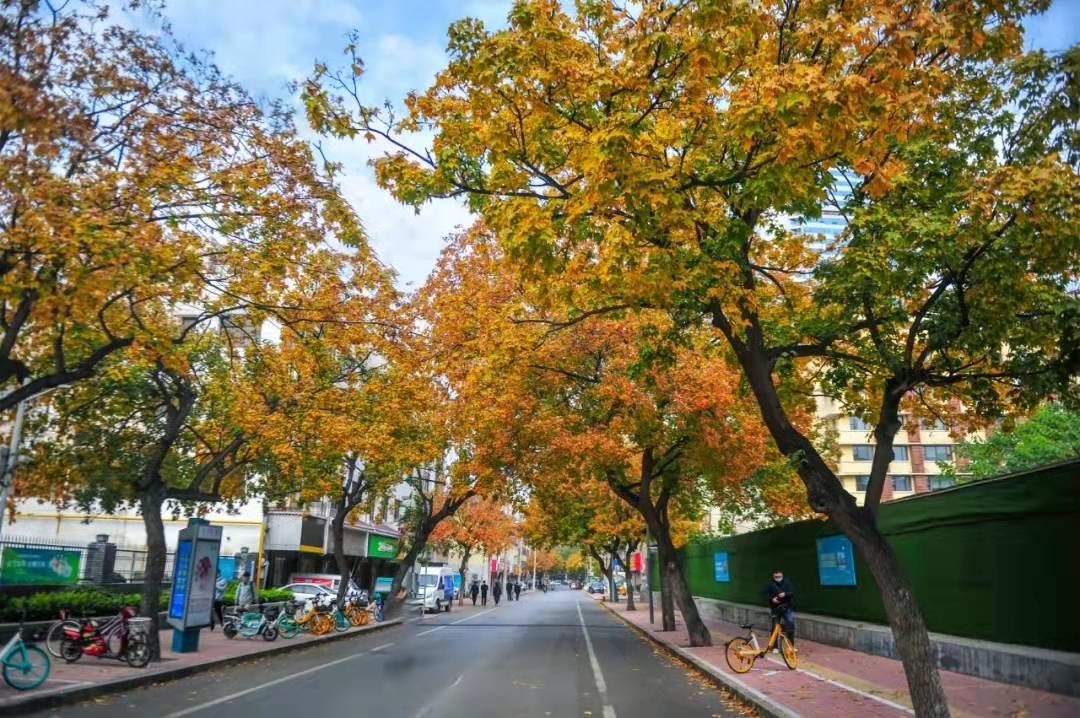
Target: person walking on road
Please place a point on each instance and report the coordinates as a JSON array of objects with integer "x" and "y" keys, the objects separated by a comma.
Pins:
[
  {"x": 483, "y": 593},
  {"x": 474, "y": 591},
  {"x": 245, "y": 592},
  {"x": 509, "y": 590},
  {"x": 781, "y": 598},
  {"x": 517, "y": 591},
  {"x": 496, "y": 592},
  {"x": 218, "y": 611}
]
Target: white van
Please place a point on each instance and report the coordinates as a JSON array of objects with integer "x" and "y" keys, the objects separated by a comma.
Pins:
[{"x": 435, "y": 588}]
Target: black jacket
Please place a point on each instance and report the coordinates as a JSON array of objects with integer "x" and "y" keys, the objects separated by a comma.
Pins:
[{"x": 773, "y": 589}]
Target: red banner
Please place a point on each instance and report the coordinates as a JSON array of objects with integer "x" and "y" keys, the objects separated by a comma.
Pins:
[{"x": 636, "y": 562}]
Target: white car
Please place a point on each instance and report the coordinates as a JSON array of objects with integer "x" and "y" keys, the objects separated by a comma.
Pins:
[{"x": 308, "y": 591}]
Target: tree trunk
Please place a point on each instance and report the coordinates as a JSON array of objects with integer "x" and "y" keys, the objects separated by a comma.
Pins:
[
  {"x": 156, "y": 553},
  {"x": 628, "y": 577},
  {"x": 462, "y": 570},
  {"x": 675, "y": 590},
  {"x": 337, "y": 528},
  {"x": 667, "y": 603},
  {"x": 826, "y": 494},
  {"x": 395, "y": 601}
]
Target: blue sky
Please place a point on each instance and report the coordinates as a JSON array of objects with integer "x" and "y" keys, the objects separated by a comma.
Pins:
[{"x": 266, "y": 44}]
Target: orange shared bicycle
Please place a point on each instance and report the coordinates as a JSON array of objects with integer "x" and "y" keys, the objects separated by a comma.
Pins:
[{"x": 742, "y": 652}]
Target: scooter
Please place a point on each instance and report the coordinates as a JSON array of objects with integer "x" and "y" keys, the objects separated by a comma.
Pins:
[
  {"x": 111, "y": 639},
  {"x": 249, "y": 625}
]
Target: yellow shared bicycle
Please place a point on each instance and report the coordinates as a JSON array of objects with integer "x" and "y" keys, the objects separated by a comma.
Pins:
[{"x": 742, "y": 652}]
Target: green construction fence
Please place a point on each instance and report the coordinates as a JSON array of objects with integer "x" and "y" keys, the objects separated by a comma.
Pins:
[{"x": 993, "y": 560}]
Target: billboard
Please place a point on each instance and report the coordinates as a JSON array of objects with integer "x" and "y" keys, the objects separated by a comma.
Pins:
[
  {"x": 720, "y": 567},
  {"x": 836, "y": 561},
  {"x": 41, "y": 566}
]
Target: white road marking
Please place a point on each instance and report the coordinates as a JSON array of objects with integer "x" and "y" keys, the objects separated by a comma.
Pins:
[
  {"x": 457, "y": 681},
  {"x": 453, "y": 623},
  {"x": 856, "y": 691},
  {"x": 379, "y": 648},
  {"x": 598, "y": 675},
  {"x": 268, "y": 684}
]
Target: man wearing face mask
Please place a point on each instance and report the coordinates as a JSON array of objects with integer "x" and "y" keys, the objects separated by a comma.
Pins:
[{"x": 781, "y": 598}]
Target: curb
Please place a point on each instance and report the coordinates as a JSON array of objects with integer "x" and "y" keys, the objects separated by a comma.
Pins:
[
  {"x": 765, "y": 705},
  {"x": 20, "y": 706}
]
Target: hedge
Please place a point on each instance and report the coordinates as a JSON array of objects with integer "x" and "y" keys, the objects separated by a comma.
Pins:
[
  {"x": 88, "y": 602},
  {"x": 44, "y": 606}
]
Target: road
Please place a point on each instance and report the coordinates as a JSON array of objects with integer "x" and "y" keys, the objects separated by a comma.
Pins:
[{"x": 554, "y": 654}]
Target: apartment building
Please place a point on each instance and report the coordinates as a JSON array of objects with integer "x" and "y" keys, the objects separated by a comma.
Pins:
[{"x": 919, "y": 450}]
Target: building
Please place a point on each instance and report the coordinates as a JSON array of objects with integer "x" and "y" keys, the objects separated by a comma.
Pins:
[{"x": 919, "y": 450}]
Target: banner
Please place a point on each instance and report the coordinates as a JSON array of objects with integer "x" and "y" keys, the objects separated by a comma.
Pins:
[
  {"x": 720, "y": 567},
  {"x": 41, "y": 566},
  {"x": 836, "y": 561},
  {"x": 181, "y": 573}
]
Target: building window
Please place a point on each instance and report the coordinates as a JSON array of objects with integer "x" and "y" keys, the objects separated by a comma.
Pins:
[
  {"x": 934, "y": 425},
  {"x": 861, "y": 482},
  {"x": 941, "y": 482},
  {"x": 937, "y": 453},
  {"x": 900, "y": 453},
  {"x": 901, "y": 482},
  {"x": 858, "y": 424},
  {"x": 862, "y": 453}
]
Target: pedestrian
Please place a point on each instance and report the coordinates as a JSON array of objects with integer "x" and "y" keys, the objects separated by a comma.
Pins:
[
  {"x": 219, "y": 601},
  {"x": 245, "y": 592},
  {"x": 483, "y": 593},
  {"x": 781, "y": 598},
  {"x": 496, "y": 591},
  {"x": 474, "y": 590},
  {"x": 517, "y": 591},
  {"x": 509, "y": 589}
]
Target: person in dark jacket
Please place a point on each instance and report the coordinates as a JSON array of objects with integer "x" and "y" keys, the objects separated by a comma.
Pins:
[
  {"x": 781, "y": 597},
  {"x": 474, "y": 591},
  {"x": 496, "y": 591},
  {"x": 483, "y": 593},
  {"x": 517, "y": 591}
]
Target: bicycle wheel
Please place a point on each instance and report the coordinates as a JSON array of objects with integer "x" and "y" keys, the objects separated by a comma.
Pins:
[
  {"x": 787, "y": 651},
  {"x": 288, "y": 628},
  {"x": 740, "y": 655},
  {"x": 361, "y": 618},
  {"x": 70, "y": 651},
  {"x": 137, "y": 654},
  {"x": 55, "y": 636},
  {"x": 269, "y": 634},
  {"x": 32, "y": 671}
]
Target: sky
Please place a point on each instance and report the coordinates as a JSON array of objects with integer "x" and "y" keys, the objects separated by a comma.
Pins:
[{"x": 267, "y": 44}]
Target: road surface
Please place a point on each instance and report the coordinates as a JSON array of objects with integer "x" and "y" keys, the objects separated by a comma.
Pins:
[{"x": 555, "y": 654}]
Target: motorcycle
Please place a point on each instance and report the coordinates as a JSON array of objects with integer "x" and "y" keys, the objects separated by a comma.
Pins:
[
  {"x": 109, "y": 639},
  {"x": 249, "y": 625}
]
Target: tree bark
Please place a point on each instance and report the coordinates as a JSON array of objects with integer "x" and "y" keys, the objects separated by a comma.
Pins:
[
  {"x": 627, "y": 575},
  {"x": 337, "y": 528},
  {"x": 826, "y": 494},
  {"x": 156, "y": 553},
  {"x": 462, "y": 570}
]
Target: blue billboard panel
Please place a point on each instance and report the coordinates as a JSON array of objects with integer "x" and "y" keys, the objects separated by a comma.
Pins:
[
  {"x": 836, "y": 561},
  {"x": 720, "y": 567}
]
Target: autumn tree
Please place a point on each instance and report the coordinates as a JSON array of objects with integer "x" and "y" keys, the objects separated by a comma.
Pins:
[
  {"x": 479, "y": 526},
  {"x": 643, "y": 156}
]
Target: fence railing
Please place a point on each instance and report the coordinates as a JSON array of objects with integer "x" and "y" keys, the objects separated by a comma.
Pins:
[{"x": 37, "y": 561}]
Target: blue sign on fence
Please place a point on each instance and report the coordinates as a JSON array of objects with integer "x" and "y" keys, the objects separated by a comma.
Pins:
[
  {"x": 836, "y": 561},
  {"x": 720, "y": 567}
]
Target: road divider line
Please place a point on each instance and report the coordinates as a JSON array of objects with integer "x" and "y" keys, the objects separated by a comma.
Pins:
[
  {"x": 598, "y": 675},
  {"x": 430, "y": 630},
  {"x": 261, "y": 686},
  {"x": 379, "y": 648},
  {"x": 481, "y": 613}
]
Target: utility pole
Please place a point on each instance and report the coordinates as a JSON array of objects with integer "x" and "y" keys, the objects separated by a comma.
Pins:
[{"x": 9, "y": 458}]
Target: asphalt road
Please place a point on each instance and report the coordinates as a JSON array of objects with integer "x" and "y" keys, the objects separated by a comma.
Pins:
[{"x": 554, "y": 654}]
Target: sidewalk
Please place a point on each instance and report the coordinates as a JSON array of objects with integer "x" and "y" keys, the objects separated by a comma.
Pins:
[
  {"x": 88, "y": 677},
  {"x": 833, "y": 682}
]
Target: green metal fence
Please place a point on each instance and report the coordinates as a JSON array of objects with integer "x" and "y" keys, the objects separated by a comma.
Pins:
[{"x": 995, "y": 560}]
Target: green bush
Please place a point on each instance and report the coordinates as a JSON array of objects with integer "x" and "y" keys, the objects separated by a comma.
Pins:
[
  {"x": 266, "y": 595},
  {"x": 44, "y": 606}
]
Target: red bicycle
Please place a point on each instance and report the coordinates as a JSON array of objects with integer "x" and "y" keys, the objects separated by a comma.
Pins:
[{"x": 109, "y": 639}]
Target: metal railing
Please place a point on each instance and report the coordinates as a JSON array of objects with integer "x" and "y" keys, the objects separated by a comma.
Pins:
[{"x": 33, "y": 560}]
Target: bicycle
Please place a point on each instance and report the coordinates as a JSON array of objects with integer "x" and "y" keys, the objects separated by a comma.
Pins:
[
  {"x": 113, "y": 638},
  {"x": 55, "y": 635},
  {"x": 25, "y": 666},
  {"x": 285, "y": 623},
  {"x": 741, "y": 653}
]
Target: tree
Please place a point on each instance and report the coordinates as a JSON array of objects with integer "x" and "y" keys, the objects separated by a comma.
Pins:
[
  {"x": 641, "y": 158},
  {"x": 134, "y": 179},
  {"x": 478, "y": 526},
  {"x": 1051, "y": 434}
]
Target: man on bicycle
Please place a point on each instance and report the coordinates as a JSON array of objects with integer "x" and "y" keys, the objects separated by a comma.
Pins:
[{"x": 781, "y": 598}]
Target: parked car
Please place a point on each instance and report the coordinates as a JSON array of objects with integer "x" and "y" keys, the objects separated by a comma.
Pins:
[
  {"x": 597, "y": 587},
  {"x": 330, "y": 581},
  {"x": 308, "y": 591}
]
